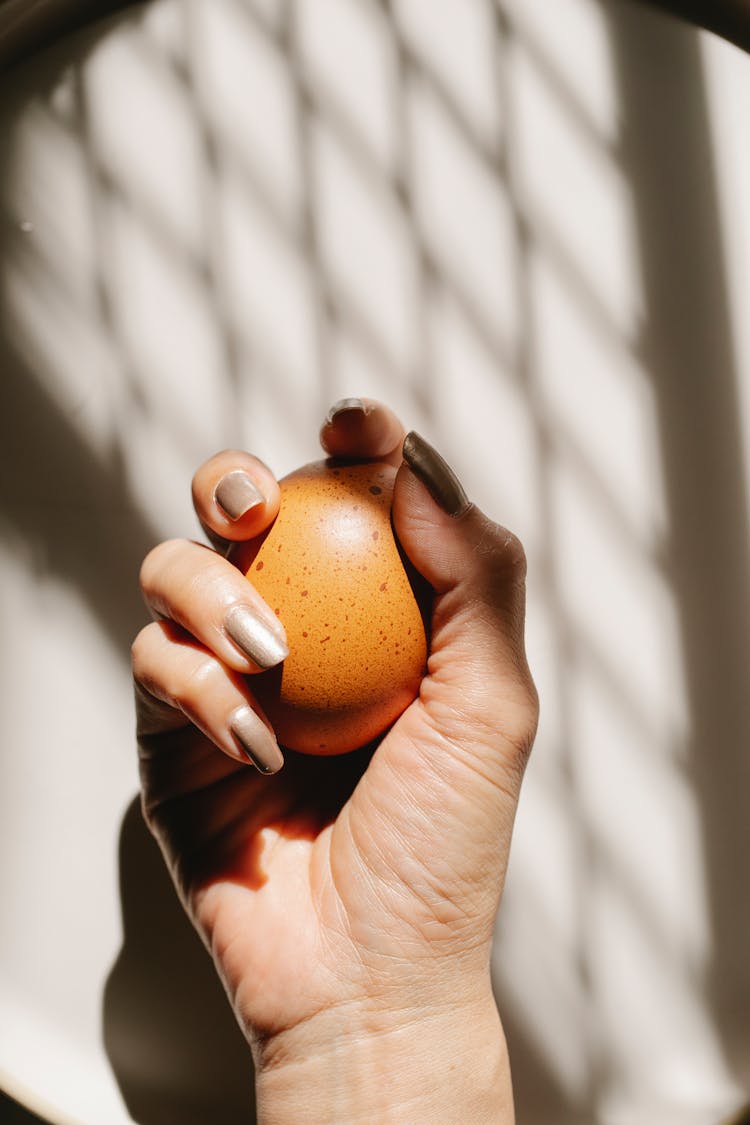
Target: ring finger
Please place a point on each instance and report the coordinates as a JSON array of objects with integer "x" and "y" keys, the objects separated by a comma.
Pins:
[{"x": 170, "y": 667}]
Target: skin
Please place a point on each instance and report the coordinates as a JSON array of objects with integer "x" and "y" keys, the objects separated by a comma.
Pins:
[{"x": 348, "y": 903}]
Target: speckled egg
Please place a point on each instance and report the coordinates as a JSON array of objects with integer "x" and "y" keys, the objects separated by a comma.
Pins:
[{"x": 331, "y": 570}]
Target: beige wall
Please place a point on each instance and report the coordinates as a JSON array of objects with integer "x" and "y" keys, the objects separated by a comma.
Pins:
[{"x": 526, "y": 226}]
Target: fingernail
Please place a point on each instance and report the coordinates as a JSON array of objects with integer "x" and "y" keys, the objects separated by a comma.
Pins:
[
  {"x": 262, "y": 643},
  {"x": 435, "y": 474},
  {"x": 347, "y": 406},
  {"x": 236, "y": 494},
  {"x": 256, "y": 740}
]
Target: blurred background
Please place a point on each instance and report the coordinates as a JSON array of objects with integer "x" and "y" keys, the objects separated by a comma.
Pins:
[{"x": 526, "y": 226}]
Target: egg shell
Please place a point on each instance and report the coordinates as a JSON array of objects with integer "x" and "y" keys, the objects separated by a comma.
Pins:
[{"x": 332, "y": 571}]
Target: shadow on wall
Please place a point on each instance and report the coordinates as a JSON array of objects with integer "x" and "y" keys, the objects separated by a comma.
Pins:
[
  {"x": 25, "y": 28},
  {"x": 167, "y": 1025},
  {"x": 13, "y": 1114},
  {"x": 687, "y": 346},
  {"x": 69, "y": 503},
  {"x": 169, "y": 1031},
  {"x": 170, "y": 1034},
  {"x": 70, "y": 507}
]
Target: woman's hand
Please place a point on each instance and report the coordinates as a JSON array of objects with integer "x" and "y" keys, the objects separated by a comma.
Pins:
[{"x": 348, "y": 902}]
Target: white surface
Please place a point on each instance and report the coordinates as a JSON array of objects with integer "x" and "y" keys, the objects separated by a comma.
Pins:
[{"x": 211, "y": 232}]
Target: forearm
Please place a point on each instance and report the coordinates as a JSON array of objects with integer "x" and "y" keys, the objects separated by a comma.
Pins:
[
  {"x": 444, "y": 1067},
  {"x": 728, "y": 18}
]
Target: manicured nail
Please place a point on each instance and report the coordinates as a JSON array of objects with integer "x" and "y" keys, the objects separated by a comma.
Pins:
[
  {"x": 347, "y": 406},
  {"x": 236, "y": 494},
  {"x": 435, "y": 474},
  {"x": 262, "y": 643},
  {"x": 256, "y": 740}
]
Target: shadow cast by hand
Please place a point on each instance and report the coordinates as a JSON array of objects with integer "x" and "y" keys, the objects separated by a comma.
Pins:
[{"x": 169, "y": 1032}]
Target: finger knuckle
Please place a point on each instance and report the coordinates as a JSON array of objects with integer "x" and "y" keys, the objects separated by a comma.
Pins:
[
  {"x": 522, "y": 731},
  {"x": 513, "y": 713},
  {"x": 139, "y": 650},
  {"x": 194, "y": 687},
  {"x": 513, "y": 553},
  {"x": 155, "y": 562},
  {"x": 205, "y": 580},
  {"x": 502, "y": 550}
]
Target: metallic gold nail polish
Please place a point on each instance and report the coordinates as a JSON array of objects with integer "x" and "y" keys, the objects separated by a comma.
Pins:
[
  {"x": 256, "y": 740},
  {"x": 236, "y": 494},
  {"x": 259, "y": 641},
  {"x": 435, "y": 474},
  {"x": 347, "y": 406}
]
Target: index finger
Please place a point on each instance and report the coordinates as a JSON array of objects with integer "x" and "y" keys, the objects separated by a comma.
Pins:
[{"x": 235, "y": 495}]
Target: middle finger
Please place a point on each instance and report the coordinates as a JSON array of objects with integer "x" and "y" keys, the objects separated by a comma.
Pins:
[{"x": 205, "y": 594}]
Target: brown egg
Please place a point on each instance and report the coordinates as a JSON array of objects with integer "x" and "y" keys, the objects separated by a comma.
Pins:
[{"x": 332, "y": 571}]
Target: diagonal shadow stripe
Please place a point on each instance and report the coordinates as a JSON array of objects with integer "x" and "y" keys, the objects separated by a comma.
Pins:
[
  {"x": 687, "y": 345},
  {"x": 174, "y": 1046},
  {"x": 27, "y": 26},
  {"x": 72, "y": 509},
  {"x": 728, "y": 18}
]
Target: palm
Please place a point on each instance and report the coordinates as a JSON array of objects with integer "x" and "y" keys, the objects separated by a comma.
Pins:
[{"x": 272, "y": 869}]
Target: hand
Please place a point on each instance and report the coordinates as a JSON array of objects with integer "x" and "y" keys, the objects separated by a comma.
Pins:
[{"x": 348, "y": 902}]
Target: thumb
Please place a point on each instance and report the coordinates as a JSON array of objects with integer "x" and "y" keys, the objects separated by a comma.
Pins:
[{"x": 474, "y": 723}]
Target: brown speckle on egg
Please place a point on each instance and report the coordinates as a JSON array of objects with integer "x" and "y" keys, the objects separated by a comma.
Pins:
[{"x": 342, "y": 685}]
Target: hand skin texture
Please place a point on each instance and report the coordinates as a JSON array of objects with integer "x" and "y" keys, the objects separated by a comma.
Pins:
[{"x": 349, "y": 902}]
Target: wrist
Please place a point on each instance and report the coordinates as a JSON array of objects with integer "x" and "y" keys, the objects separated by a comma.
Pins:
[{"x": 431, "y": 1066}]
